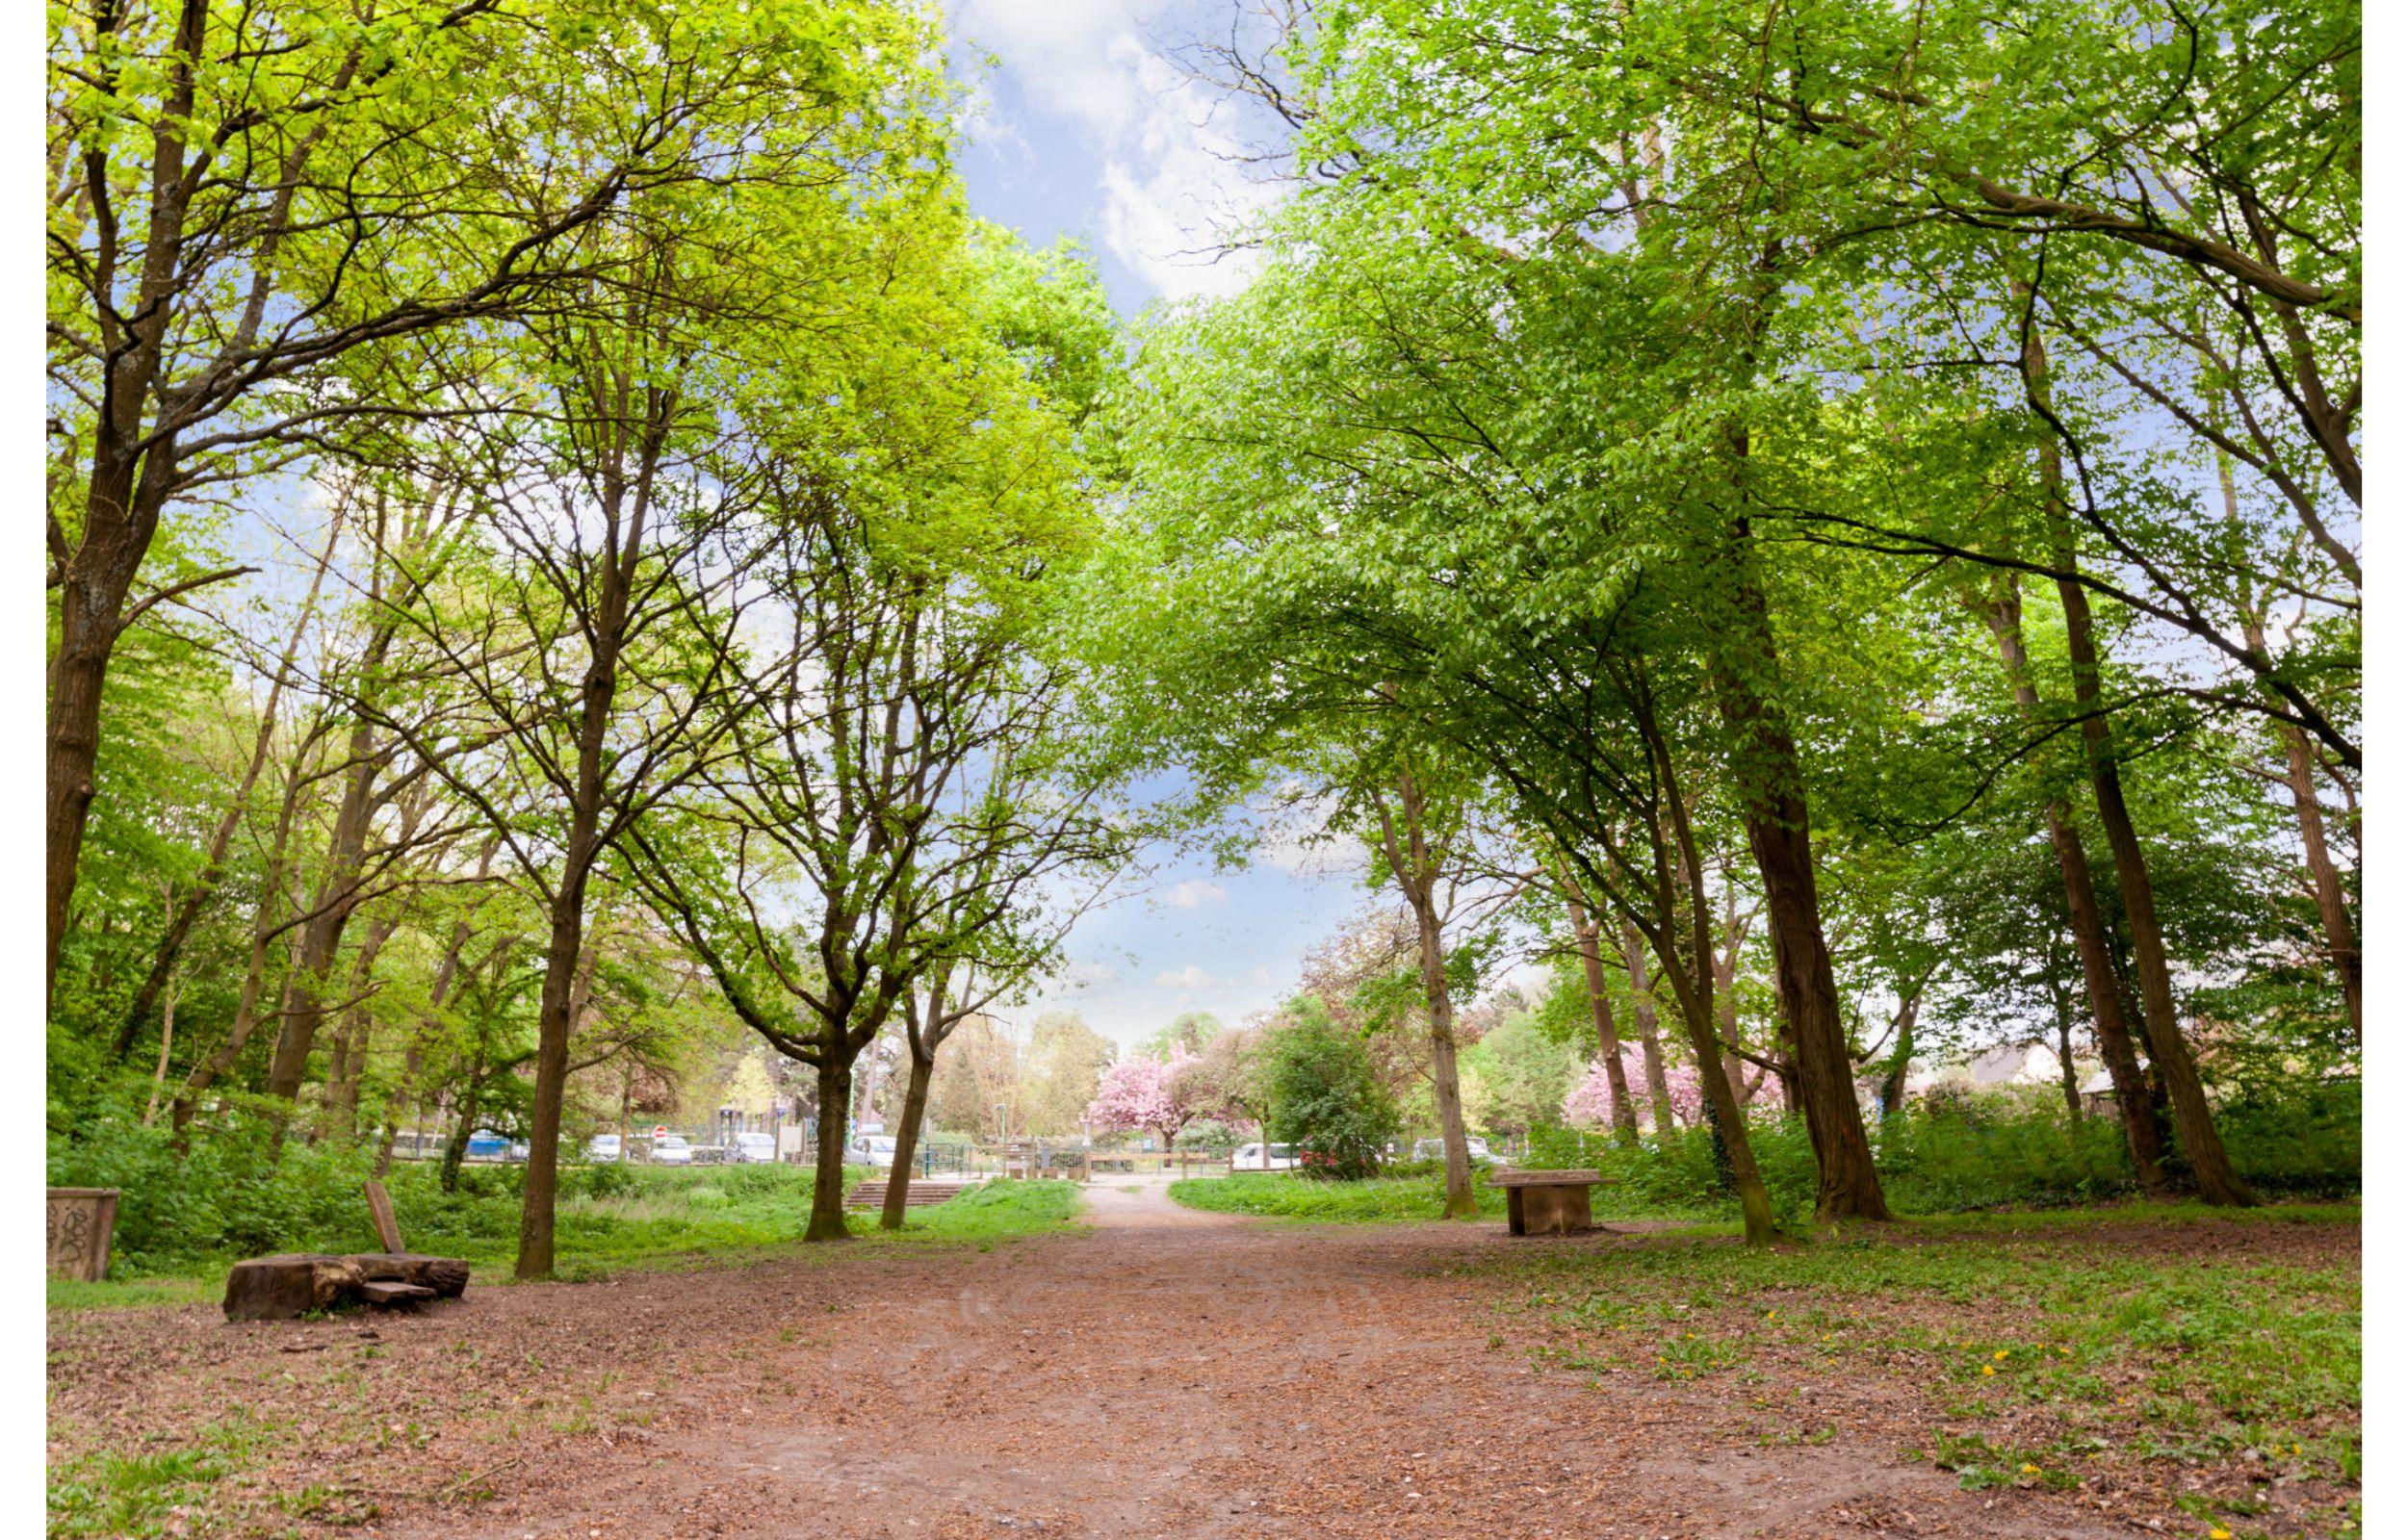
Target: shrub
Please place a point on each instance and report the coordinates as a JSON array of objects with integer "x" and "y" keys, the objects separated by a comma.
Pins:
[
  {"x": 1324, "y": 1099},
  {"x": 1978, "y": 1153}
]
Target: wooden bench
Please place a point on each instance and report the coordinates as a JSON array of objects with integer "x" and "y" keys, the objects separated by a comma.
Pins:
[
  {"x": 870, "y": 1193},
  {"x": 1547, "y": 1203}
]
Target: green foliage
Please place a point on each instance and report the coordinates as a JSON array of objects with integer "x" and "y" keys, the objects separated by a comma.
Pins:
[
  {"x": 1516, "y": 1077},
  {"x": 1280, "y": 1194},
  {"x": 1324, "y": 1099},
  {"x": 2305, "y": 1144},
  {"x": 236, "y": 1196}
]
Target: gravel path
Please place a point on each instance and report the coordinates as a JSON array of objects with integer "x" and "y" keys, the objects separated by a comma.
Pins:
[{"x": 1160, "y": 1373}]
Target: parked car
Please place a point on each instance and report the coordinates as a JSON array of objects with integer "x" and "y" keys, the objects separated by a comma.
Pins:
[
  {"x": 1263, "y": 1158},
  {"x": 1434, "y": 1149},
  {"x": 605, "y": 1148},
  {"x": 484, "y": 1145},
  {"x": 871, "y": 1150},
  {"x": 671, "y": 1149},
  {"x": 755, "y": 1149}
]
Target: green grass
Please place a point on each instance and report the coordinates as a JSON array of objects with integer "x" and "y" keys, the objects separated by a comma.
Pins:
[
  {"x": 1279, "y": 1195},
  {"x": 134, "y": 1496},
  {"x": 2162, "y": 1352},
  {"x": 665, "y": 1220}
]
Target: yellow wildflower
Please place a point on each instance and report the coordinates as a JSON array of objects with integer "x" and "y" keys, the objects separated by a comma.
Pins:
[
  {"x": 2001, "y": 1355},
  {"x": 1987, "y": 1369},
  {"x": 2030, "y": 1469}
]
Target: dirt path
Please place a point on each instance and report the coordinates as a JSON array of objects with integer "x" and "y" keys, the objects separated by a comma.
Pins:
[
  {"x": 1143, "y": 1203},
  {"x": 1161, "y": 1374}
]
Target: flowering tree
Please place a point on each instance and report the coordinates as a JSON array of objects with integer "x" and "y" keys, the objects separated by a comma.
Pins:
[
  {"x": 1144, "y": 1093},
  {"x": 1591, "y": 1100},
  {"x": 1226, "y": 1081}
]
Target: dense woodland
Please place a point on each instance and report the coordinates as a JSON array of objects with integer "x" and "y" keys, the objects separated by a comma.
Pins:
[{"x": 1832, "y": 528}]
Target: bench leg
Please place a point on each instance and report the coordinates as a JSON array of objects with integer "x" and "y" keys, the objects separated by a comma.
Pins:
[
  {"x": 1514, "y": 1221},
  {"x": 1555, "y": 1210},
  {"x": 1576, "y": 1216}
]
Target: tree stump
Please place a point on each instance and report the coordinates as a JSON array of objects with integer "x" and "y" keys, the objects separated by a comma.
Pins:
[{"x": 282, "y": 1288}]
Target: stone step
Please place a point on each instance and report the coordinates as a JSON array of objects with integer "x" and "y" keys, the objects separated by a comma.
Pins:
[{"x": 394, "y": 1294}]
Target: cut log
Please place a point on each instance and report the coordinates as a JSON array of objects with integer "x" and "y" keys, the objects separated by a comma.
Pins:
[
  {"x": 447, "y": 1277},
  {"x": 394, "y": 1294},
  {"x": 282, "y": 1288}
]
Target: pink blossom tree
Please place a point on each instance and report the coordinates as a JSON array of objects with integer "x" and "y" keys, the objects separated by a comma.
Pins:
[
  {"x": 1591, "y": 1099},
  {"x": 1144, "y": 1093}
]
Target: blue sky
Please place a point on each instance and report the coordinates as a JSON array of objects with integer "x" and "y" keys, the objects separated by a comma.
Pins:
[{"x": 1083, "y": 127}]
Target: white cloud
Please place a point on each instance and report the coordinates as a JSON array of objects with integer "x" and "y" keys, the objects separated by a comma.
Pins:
[
  {"x": 1297, "y": 842},
  {"x": 1189, "y": 977},
  {"x": 1077, "y": 975},
  {"x": 1193, "y": 893},
  {"x": 1171, "y": 186}
]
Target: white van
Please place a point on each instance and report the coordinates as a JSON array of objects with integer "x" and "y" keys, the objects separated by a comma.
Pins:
[
  {"x": 1263, "y": 1158},
  {"x": 755, "y": 1149},
  {"x": 870, "y": 1149}
]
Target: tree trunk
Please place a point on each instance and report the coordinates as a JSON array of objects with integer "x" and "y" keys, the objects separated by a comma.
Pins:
[
  {"x": 2059, "y": 996},
  {"x": 1734, "y": 1152},
  {"x": 2169, "y": 1050},
  {"x": 914, "y": 1109},
  {"x": 1445, "y": 1079},
  {"x": 339, "y": 1117},
  {"x": 2339, "y": 930},
  {"x": 1772, "y": 794},
  {"x": 455, "y": 1147},
  {"x": 1650, "y": 1039},
  {"x": 330, "y": 911},
  {"x": 1608, "y": 1041},
  {"x": 167, "y": 1042},
  {"x": 121, "y": 516},
  {"x": 255, "y": 968},
  {"x": 2002, "y": 610},
  {"x": 1416, "y": 871},
  {"x": 827, "y": 1185},
  {"x": 554, "y": 1024},
  {"x": 1823, "y": 1085},
  {"x": 1900, "y": 1056}
]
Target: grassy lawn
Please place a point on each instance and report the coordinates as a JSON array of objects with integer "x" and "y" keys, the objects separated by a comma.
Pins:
[
  {"x": 1276, "y": 1194},
  {"x": 2145, "y": 1344},
  {"x": 667, "y": 1220}
]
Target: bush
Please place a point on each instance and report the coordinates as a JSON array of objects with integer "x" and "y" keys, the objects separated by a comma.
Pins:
[
  {"x": 1978, "y": 1152},
  {"x": 2305, "y": 1144},
  {"x": 1324, "y": 1100}
]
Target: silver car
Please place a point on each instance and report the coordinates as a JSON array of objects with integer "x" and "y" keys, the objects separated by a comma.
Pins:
[{"x": 1434, "y": 1149}]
